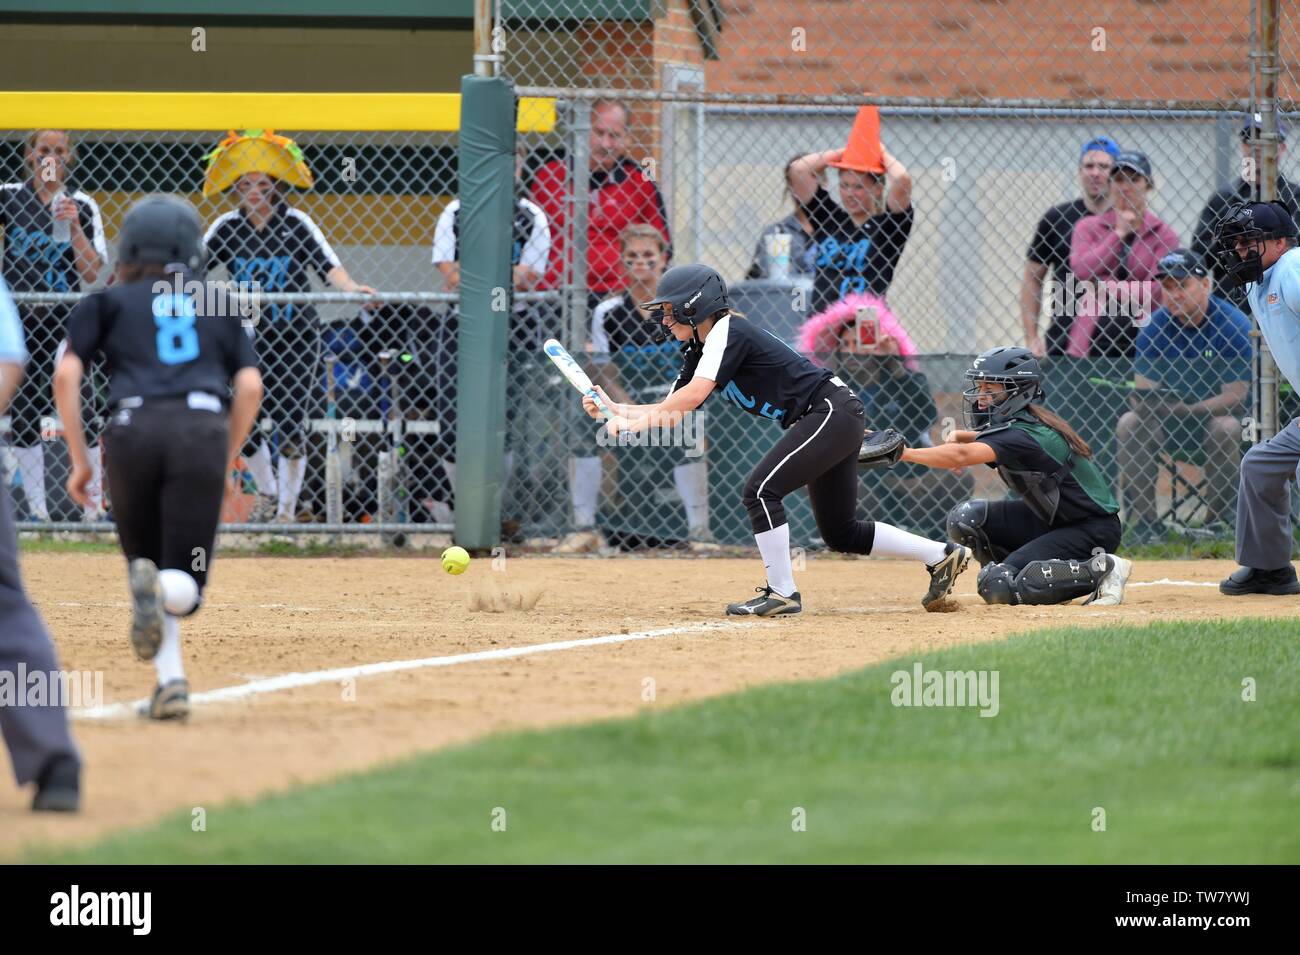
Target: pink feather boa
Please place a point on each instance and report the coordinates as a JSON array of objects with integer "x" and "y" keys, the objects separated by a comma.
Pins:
[{"x": 820, "y": 335}]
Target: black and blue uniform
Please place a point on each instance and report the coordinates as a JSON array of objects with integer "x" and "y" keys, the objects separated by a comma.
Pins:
[
  {"x": 822, "y": 419},
  {"x": 170, "y": 359},
  {"x": 280, "y": 257}
]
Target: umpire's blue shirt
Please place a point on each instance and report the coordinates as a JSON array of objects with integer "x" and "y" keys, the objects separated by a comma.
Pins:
[
  {"x": 11, "y": 329},
  {"x": 1275, "y": 303},
  {"x": 1196, "y": 360}
]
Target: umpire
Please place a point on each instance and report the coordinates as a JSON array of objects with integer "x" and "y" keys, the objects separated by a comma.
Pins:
[
  {"x": 37, "y": 736},
  {"x": 1255, "y": 247}
]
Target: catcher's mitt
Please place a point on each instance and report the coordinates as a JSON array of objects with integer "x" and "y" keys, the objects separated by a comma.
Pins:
[{"x": 881, "y": 449}]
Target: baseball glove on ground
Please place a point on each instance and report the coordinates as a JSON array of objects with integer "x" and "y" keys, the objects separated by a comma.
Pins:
[{"x": 881, "y": 449}]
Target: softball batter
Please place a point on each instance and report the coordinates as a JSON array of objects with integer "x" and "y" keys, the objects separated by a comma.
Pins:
[
  {"x": 171, "y": 359},
  {"x": 1055, "y": 543},
  {"x": 823, "y": 421}
]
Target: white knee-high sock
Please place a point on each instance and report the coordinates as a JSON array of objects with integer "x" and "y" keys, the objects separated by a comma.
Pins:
[
  {"x": 774, "y": 545},
  {"x": 168, "y": 661},
  {"x": 891, "y": 541},
  {"x": 292, "y": 471},
  {"x": 584, "y": 486},
  {"x": 259, "y": 462},
  {"x": 692, "y": 481},
  {"x": 31, "y": 465},
  {"x": 180, "y": 591}
]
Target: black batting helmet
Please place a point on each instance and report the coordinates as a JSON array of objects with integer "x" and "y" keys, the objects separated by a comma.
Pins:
[
  {"x": 1011, "y": 366},
  {"x": 1253, "y": 222},
  {"x": 692, "y": 294},
  {"x": 162, "y": 230}
]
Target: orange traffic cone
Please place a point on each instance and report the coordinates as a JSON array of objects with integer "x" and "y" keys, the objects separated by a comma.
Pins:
[{"x": 863, "y": 153}]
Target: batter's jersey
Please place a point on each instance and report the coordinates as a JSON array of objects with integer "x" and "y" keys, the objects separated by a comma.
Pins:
[
  {"x": 754, "y": 370},
  {"x": 160, "y": 344},
  {"x": 1275, "y": 303},
  {"x": 280, "y": 257},
  {"x": 33, "y": 261}
]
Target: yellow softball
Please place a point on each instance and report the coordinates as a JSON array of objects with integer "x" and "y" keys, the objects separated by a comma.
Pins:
[{"x": 455, "y": 560}]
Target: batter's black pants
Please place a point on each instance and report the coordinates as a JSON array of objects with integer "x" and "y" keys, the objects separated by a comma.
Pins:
[
  {"x": 166, "y": 469},
  {"x": 1019, "y": 536},
  {"x": 819, "y": 451}
]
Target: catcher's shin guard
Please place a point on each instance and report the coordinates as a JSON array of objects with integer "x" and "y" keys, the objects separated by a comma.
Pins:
[
  {"x": 1042, "y": 582},
  {"x": 966, "y": 527}
]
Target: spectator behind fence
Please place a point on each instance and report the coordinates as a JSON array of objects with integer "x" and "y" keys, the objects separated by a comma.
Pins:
[
  {"x": 49, "y": 246},
  {"x": 620, "y": 327},
  {"x": 1116, "y": 254},
  {"x": 530, "y": 247},
  {"x": 621, "y": 193},
  {"x": 895, "y": 394},
  {"x": 1191, "y": 379},
  {"x": 267, "y": 242},
  {"x": 1049, "y": 250},
  {"x": 1242, "y": 189},
  {"x": 861, "y": 238},
  {"x": 799, "y": 228}
]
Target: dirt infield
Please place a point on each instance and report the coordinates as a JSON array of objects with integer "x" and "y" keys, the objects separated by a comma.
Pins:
[{"x": 271, "y": 616}]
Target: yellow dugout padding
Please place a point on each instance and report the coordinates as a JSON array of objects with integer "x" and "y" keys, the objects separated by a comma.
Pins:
[
  {"x": 327, "y": 112},
  {"x": 383, "y": 219}
]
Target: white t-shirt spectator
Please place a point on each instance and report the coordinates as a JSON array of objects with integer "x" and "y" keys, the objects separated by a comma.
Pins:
[{"x": 531, "y": 236}]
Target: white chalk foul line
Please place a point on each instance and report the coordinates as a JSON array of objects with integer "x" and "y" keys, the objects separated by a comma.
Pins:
[
  {"x": 289, "y": 681},
  {"x": 1166, "y": 582}
]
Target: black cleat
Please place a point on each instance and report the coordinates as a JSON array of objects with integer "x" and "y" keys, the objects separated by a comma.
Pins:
[
  {"x": 768, "y": 604},
  {"x": 1250, "y": 580},
  {"x": 59, "y": 787},
  {"x": 146, "y": 608},
  {"x": 944, "y": 574},
  {"x": 170, "y": 701}
]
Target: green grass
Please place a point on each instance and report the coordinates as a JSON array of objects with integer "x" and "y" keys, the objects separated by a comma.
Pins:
[
  {"x": 1147, "y": 723},
  {"x": 46, "y": 544}
]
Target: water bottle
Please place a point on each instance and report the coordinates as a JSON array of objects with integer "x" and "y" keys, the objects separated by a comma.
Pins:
[
  {"x": 60, "y": 229},
  {"x": 778, "y": 246}
]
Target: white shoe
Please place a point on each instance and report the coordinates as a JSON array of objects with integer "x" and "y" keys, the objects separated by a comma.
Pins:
[{"x": 1110, "y": 592}]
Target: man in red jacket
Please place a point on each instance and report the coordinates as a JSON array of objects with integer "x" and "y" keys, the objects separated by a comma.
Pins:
[{"x": 622, "y": 194}]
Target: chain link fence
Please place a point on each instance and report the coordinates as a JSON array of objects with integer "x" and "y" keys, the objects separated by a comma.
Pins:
[
  {"x": 371, "y": 218},
  {"x": 1011, "y": 213}
]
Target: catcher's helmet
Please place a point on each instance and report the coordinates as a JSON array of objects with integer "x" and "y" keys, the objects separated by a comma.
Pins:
[
  {"x": 162, "y": 230},
  {"x": 1017, "y": 370},
  {"x": 692, "y": 293},
  {"x": 1253, "y": 222}
]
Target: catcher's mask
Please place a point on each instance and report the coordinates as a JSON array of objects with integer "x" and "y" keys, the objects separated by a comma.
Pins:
[
  {"x": 1254, "y": 223},
  {"x": 686, "y": 293},
  {"x": 1021, "y": 377}
]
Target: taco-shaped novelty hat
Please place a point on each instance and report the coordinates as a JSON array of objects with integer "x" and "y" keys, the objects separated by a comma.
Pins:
[
  {"x": 863, "y": 153},
  {"x": 255, "y": 150}
]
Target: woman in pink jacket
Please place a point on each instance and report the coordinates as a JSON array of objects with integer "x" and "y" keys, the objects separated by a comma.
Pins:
[{"x": 1114, "y": 257}]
